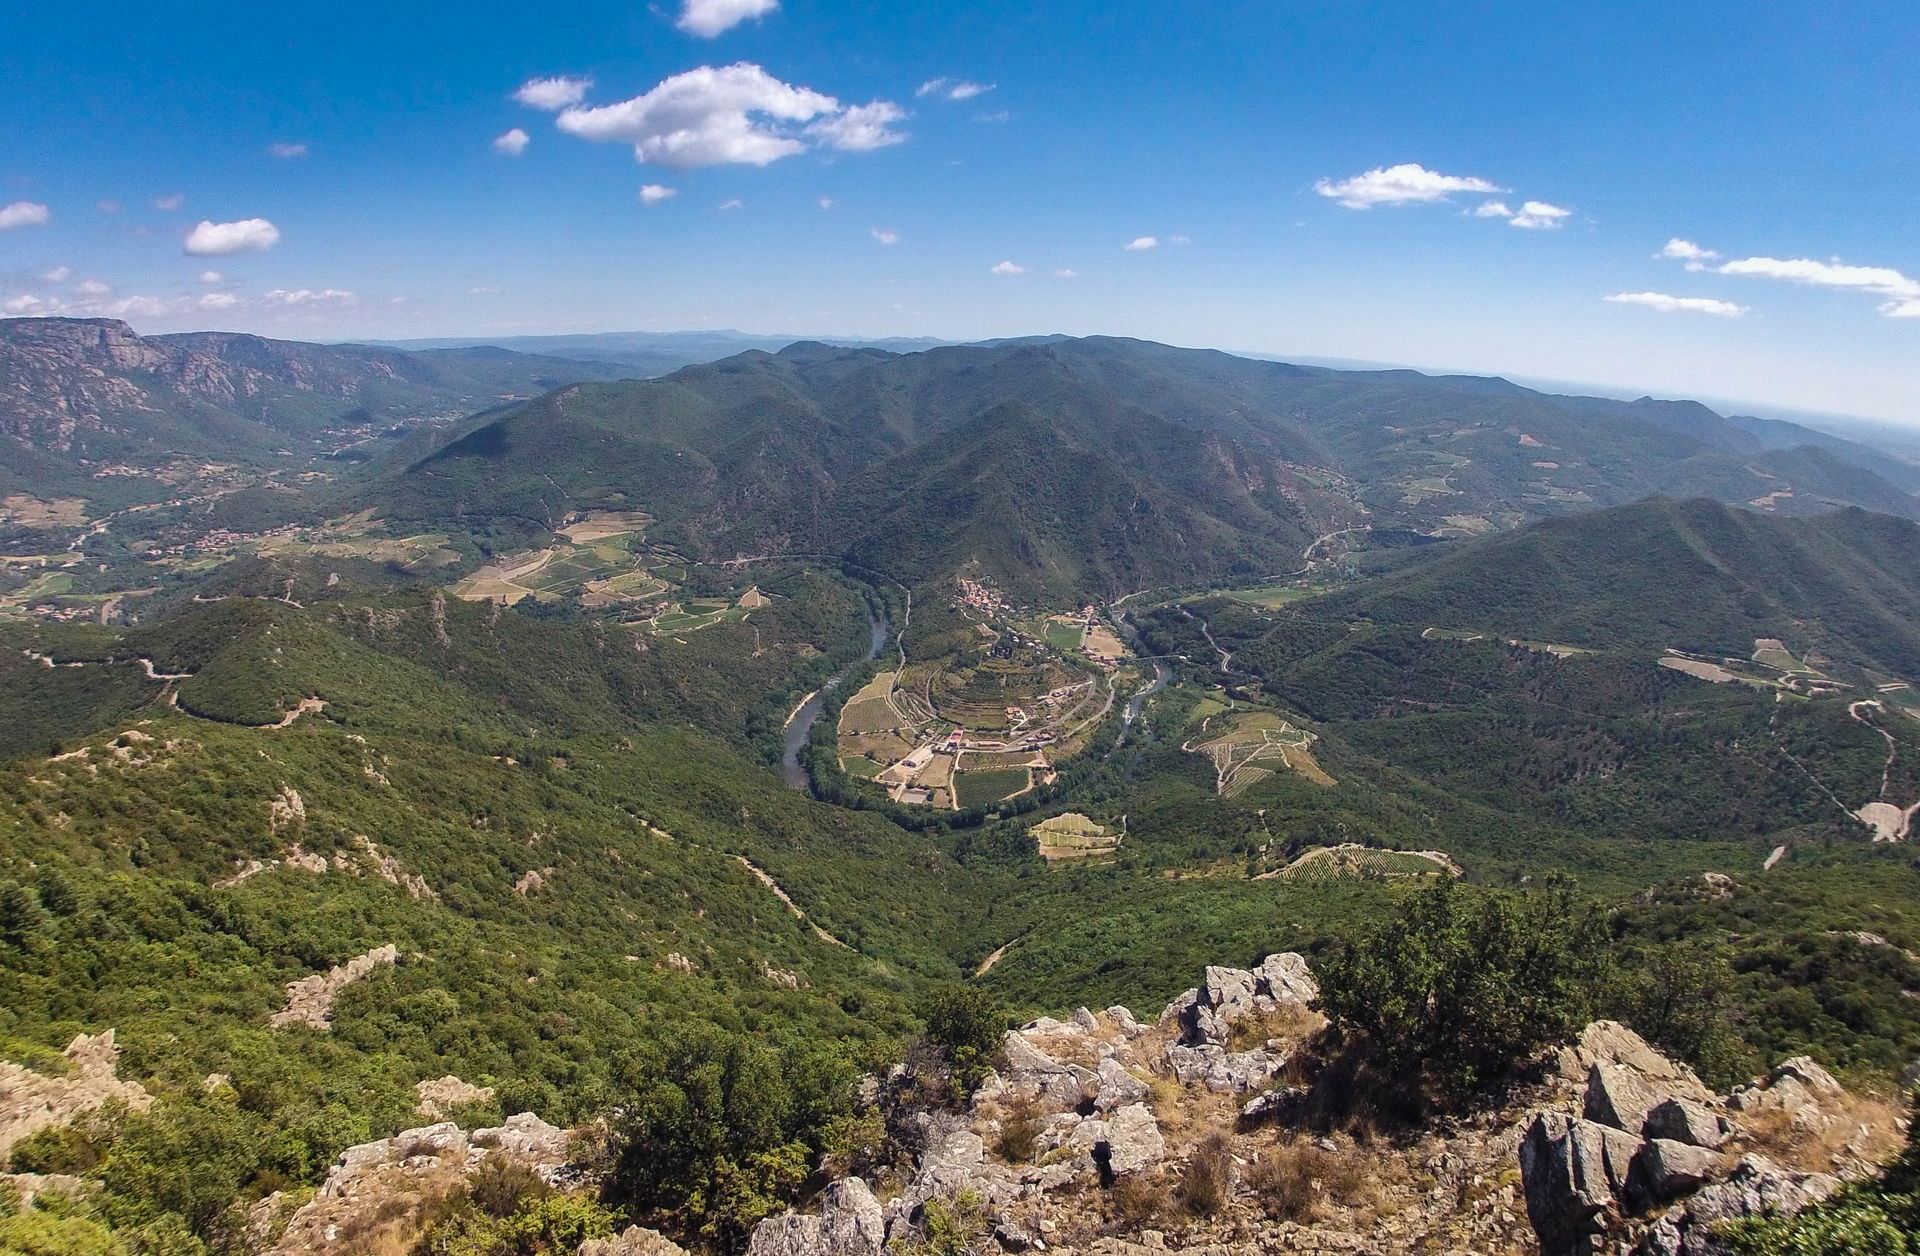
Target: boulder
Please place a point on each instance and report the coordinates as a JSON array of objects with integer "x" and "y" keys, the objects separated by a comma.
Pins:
[
  {"x": 1619, "y": 1096},
  {"x": 1124, "y": 1021},
  {"x": 850, "y": 1223},
  {"x": 1572, "y": 1172},
  {"x": 1033, "y": 1074},
  {"x": 633, "y": 1241},
  {"x": 1286, "y": 979},
  {"x": 1116, "y": 1086},
  {"x": 1085, "y": 1019},
  {"x": 1611, "y": 1043},
  {"x": 1133, "y": 1140},
  {"x": 1756, "y": 1187},
  {"x": 1665, "y": 1170},
  {"x": 1684, "y": 1121},
  {"x": 1220, "y": 1070}
]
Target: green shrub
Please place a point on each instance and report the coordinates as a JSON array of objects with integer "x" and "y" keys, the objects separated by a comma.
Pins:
[
  {"x": 967, "y": 1023},
  {"x": 1464, "y": 984}
]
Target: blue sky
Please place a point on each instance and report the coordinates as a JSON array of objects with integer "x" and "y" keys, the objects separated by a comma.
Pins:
[{"x": 1308, "y": 173}]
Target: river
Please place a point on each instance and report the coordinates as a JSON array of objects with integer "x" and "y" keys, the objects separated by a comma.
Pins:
[{"x": 800, "y": 723}]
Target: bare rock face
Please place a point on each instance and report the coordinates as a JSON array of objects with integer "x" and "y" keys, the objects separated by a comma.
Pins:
[
  {"x": 1664, "y": 1170},
  {"x": 1205, "y": 1013},
  {"x": 1574, "y": 1171},
  {"x": 310, "y": 999},
  {"x": 1685, "y": 1121},
  {"x": 1756, "y": 1187},
  {"x": 851, "y": 1223},
  {"x": 440, "y": 1095},
  {"x": 31, "y": 1102}
]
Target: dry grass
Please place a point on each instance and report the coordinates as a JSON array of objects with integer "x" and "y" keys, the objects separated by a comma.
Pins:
[
  {"x": 1207, "y": 1182},
  {"x": 1772, "y": 1133},
  {"x": 1291, "y": 1024},
  {"x": 1141, "y": 1201},
  {"x": 1019, "y": 1132},
  {"x": 1299, "y": 1180}
]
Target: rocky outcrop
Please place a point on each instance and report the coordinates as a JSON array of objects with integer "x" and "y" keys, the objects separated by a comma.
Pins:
[
  {"x": 439, "y": 1096},
  {"x": 1649, "y": 1138},
  {"x": 1205, "y": 1013},
  {"x": 310, "y": 999},
  {"x": 380, "y": 1190},
  {"x": 31, "y": 1102},
  {"x": 850, "y": 1223}
]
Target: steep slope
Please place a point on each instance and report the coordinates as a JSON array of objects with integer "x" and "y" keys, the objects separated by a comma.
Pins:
[
  {"x": 1692, "y": 574},
  {"x": 1159, "y": 460},
  {"x": 92, "y": 389}
]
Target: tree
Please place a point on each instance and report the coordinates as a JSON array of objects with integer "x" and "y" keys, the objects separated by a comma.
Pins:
[
  {"x": 967, "y": 1023},
  {"x": 1464, "y": 984}
]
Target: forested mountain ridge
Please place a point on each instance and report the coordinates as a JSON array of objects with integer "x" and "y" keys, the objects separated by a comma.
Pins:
[{"x": 910, "y": 461}]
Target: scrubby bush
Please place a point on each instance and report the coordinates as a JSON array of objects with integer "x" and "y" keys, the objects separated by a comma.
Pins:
[
  {"x": 1207, "y": 1182},
  {"x": 966, "y": 1023},
  {"x": 1463, "y": 984}
]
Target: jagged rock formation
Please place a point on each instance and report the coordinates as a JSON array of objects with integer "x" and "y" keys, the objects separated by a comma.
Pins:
[
  {"x": 441, "y": 1095},
  {"x": 310, "y": 999},
  {"x": 31, "y": 1102},
  {"x": 1655, "y": 1159},
  {"x": 380, "y": 1190}
]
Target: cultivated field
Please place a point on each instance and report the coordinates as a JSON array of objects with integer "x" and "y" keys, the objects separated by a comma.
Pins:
[
  {"x": 1247, "y": 747},
  {"x": 1073, "y": 836},
  {"x": 1335, "y": 863}
]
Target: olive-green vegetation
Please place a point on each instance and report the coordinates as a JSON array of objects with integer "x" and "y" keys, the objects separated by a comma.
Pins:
[{"x": 1876, "y": 1217}]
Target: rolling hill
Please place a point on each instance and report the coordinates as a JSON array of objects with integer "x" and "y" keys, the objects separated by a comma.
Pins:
[{"x": 1091, "y": 467}]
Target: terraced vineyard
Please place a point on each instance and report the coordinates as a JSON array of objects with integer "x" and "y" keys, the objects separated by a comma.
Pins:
[
  {"x": 1247, "y": 747},
  {"x": 1338, "y": 863}
]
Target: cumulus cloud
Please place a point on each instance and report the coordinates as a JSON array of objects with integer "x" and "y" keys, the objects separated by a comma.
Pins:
[
  {"x": 1406, "y": 184},
  {"x": 217, "y": 301},
  {"x": 1009, "y": 268},
  {"x": 1540, "y": 216},
  {"x": 953, "y": 89},
  {"x": 733, "y": 204},
  {"x": 884, "y": 236},
  {"x": 1900, "y": 290},
  {"x": 25, "y": 305},
  {"x": 92, "y": 288},
  {"x": 1140, "y": 244},
  {"x": 1686, "y": 251},
  {"x": 59, "y": 274},
  {"x": 248, "y": 235},
  {"x": 308, "y": 296},
  {"x": 1679, "y": 305},
  {"x": 210, "y": 276},
  {"x": 732, "y": 115},
  {"x": 861, "y": 128},
  {"x": 107, "y": 206},
  {"x": 654, "y": 193},
  {"x": 552, "y": 93},
  {"x": 24, "y": 214},
  {"x": 1492, "y": 209},
  {"x": 511, "y": 143},
  {"x": 708, "y": 18},
  {"x": 825, "y": 202},
  {"x": 1066, "y": 272},
  {"x": 285, "y": 151},
  {"x": 169, "y": 203}
]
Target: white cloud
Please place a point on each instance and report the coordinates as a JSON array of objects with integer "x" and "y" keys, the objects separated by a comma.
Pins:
[
  {"x": 135, "y": 306},
  {"x": 27, "y": 305},
  {"x": 1141, "y": 244},
  {"x": 24, "y": 214},
  {"x": 511, "y": 143},
  {"x": 1009, "y": 268},
  {"x": 825, "y": 202},
  {"x": 861, "y": 128},
  {"x": 1179, "y": 240},
  {"x": 1066, "y": 272},
  {"x": 993, "y": 116},
  {"x": 552, "y": 93},
  {"x": 1686, "y": 251},
  {"x": 169, "y": 203},
  {"x": 1679, "y": 305},
  {"x": 1540, "y": 216},
  {"x": 654, "y": 193},
  {"x": 708, "y": 18},
  {"x": 884, "y": 236},
  {"x": 1492, "y": 209},
  {"x": 1901, "y": 292},
  {"x": 210, "y": 276},
  {"x": 92, "y": 288},
  {"x": 733, "y": 115},
  {"x": 953, "y": 89},
  {"x": 308, "y": 296},
  {"x": 107, "y": 207},
  {"x": 248, "y": 235},
  {"x": 483, "y": 290},
  {"x": 285, "y": 151},
  {"x": 732, "y": 204},
  {"x": 1406, "y": 184},
  {"x": 59, "y": 274},
  {"x": 217, "y": 301}
]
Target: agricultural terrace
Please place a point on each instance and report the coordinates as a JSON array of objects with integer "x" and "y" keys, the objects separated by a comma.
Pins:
[
  {"x": 1772, "y": 665},
  {"x": 360, "y": 536},
  {"x": 603, "y": 559},
  {"x": 1247, "y": 747},
  {"x": 987, "y": 722},
  {"x": 1072, "y": 835},
  {"x": 1355, "y": 862}
]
